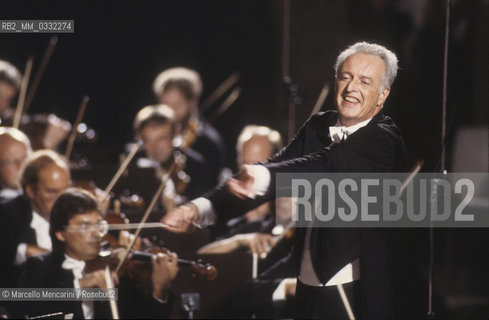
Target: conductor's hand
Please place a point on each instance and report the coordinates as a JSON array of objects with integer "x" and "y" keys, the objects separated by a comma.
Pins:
[
  {"x": 242, "y": 186},
  {"x": 181, "y": 219}
]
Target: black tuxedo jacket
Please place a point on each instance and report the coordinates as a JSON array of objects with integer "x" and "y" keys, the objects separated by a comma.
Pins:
[
  {"x": 45, "y": 271},
  {"x": 377, "y": 147}
]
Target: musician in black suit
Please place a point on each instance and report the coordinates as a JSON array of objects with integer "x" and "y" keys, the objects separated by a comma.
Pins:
[
  {"x": 181, "y": 88},
  {"x": 76, "y": 230},
  {"x": 25, "y": 219},
  {"x": 357, "y": 137}
]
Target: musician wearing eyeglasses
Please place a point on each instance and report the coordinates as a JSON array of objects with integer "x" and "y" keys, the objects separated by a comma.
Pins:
[{"x": 76, "y": 231}]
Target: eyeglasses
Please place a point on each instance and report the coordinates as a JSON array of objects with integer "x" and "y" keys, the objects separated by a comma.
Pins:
[{"x": 102, "y": 227}]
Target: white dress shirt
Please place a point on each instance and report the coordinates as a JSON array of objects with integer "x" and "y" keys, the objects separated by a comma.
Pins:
[
  {"x": 77, "y": 266},
  {"x": 43, "y": 239}
]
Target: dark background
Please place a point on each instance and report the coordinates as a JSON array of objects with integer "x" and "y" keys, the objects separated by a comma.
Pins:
[{"x": 118, "y": 48}]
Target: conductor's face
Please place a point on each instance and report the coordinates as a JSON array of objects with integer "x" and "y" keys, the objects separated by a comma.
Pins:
[{"x": 358, "y": 95}]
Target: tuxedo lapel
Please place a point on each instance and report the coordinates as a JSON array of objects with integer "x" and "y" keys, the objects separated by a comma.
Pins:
[{"x": 323, "y": 130}]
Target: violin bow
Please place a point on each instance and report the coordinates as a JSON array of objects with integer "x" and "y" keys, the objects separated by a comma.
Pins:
[
  {"x": 322, "y": 97},
  {"x": 154, "y": 200},
  {"x": 110, "y": 285},
  {"x": 126, "y": 226},
  {"x": 42, "y": 67},
  {"x": 233, "y": 96},
  {"x": 23, "y": 89},
  {"x": 122, "y": 167},
  {"x": 74, "y": 129},
  {"x": 219, "y": 92}
]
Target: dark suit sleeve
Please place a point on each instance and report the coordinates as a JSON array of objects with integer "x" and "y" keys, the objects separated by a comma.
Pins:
[
  {"x": 15, "y": 228},
  {"x": 369, "y": 150},
  {"x": 34, "y": 275},
  {"x": 44, "y": 271},
  {"x": 136, "y": 302},
  {"x": 374, "y": 150},
  {"x": 222, "y": 200}
]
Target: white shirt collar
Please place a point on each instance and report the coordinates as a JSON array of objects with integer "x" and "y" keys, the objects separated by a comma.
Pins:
[
  {"x": 339, "y": 132},
  {"x": 41, "y": 227},
  {"x": 75, "y": 265},
  {"x": 7, "y": 193}
]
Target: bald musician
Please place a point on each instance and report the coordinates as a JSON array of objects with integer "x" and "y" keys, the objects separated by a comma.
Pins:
[
  {"x": 25, "y": 219},
  {"x": 14, "y": 149}
]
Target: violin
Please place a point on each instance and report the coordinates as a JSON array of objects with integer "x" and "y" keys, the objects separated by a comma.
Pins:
[
  {"x": 172, "y": 198},
  {"x": 108, "y": 255},
  {"x": 138, "y": 266},
  {"x": 189, "y": 134}
]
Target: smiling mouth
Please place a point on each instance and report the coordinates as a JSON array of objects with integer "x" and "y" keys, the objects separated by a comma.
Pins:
[{"x": 351, "y": 99}]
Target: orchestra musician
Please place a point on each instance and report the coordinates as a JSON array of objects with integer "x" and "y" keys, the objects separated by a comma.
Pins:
[
  {"x": 76, "y": 232},
  {"x": 44, "y": 131},
  {"x": 14, "y": 149},
  {"x": 25, "y": 219},
  {"x": 181, "y": 88},
  {"x": 155, "y": 127},
  {"x": 10, "y": 79},
  {"x": 357, "y": 137}
]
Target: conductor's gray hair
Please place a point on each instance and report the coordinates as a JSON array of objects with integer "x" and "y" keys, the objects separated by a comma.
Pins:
[{"x": 389, "y": 58}]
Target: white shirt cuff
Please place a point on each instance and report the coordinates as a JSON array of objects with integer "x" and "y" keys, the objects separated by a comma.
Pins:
[
  {"x": 76, "y": 283},
  {"x": 262, "y": 178},
  {"x": 20, "y": 257},
  {"x": 207, "y": 214},
  {"x": 279, "y": 293}
]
